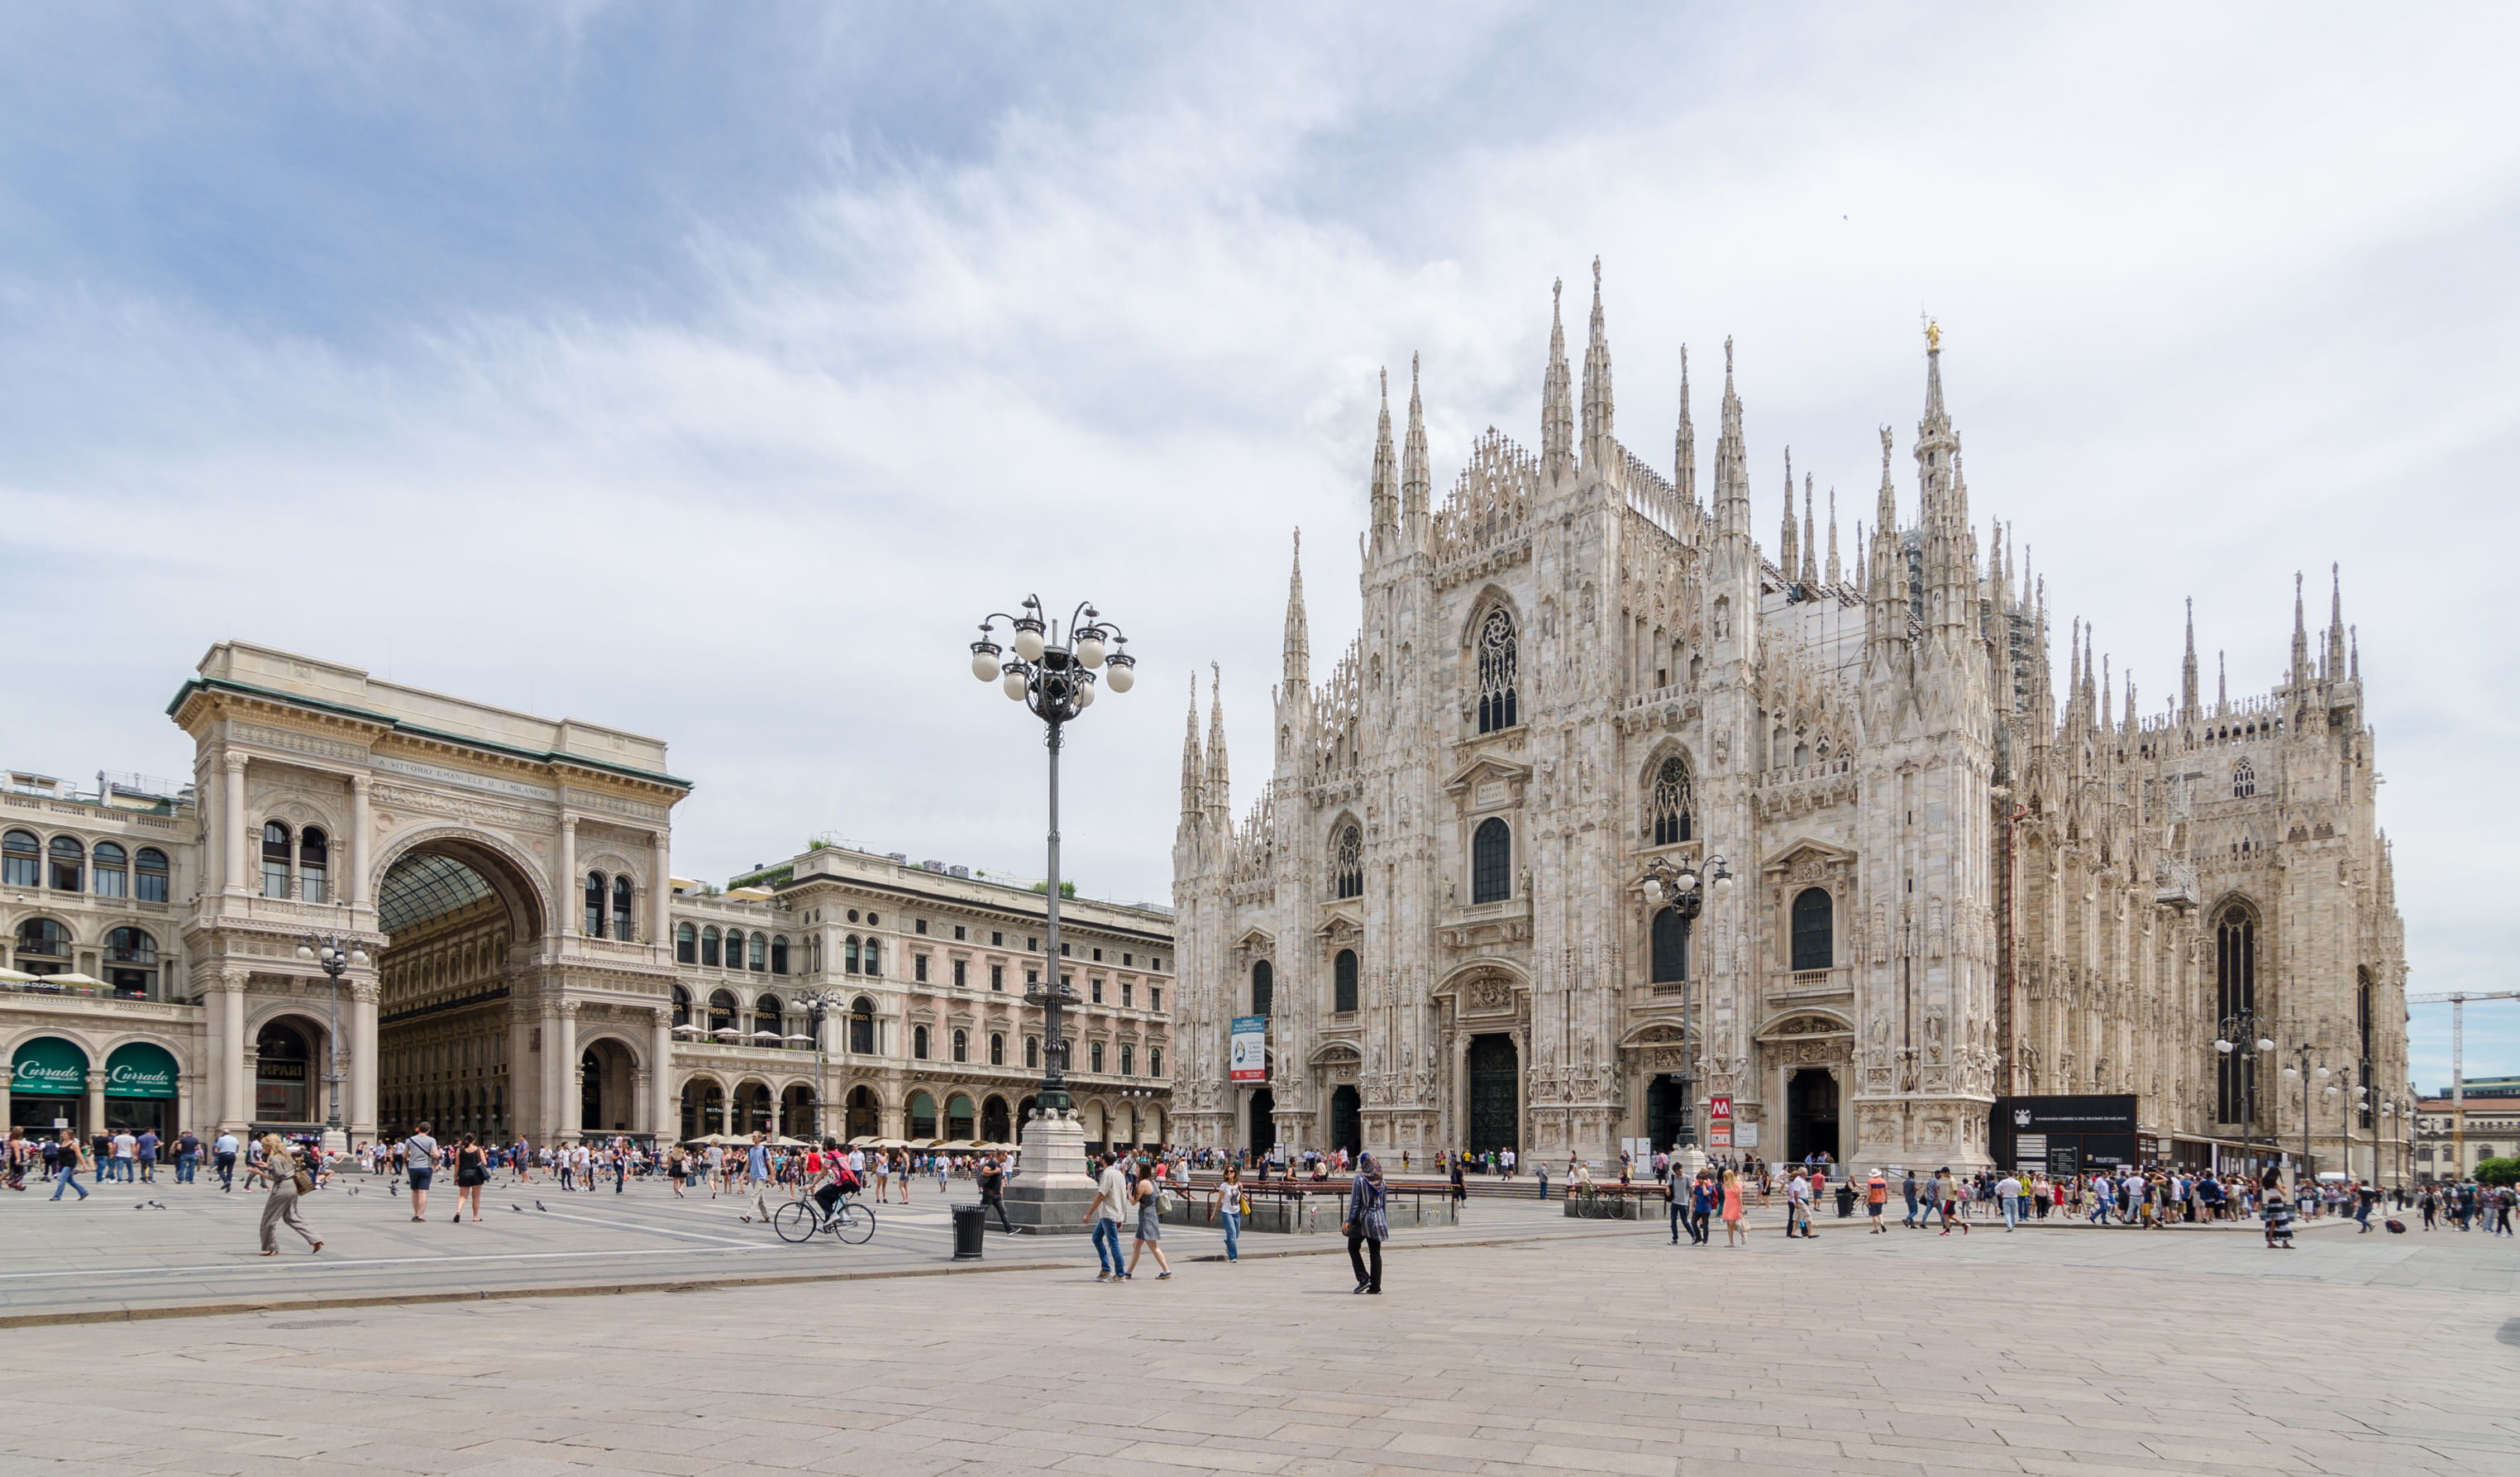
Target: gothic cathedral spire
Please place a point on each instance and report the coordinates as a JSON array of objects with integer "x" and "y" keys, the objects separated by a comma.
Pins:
[
  {"x": 1299, "y": 646},
  {"x": 1417, "y": 482},
  {"x": 1556, "y": 399},
  {"x": 1601, "y": 447},
  {"x": 1385, "y": 510},
  {"x": 1684, "y": 443}
]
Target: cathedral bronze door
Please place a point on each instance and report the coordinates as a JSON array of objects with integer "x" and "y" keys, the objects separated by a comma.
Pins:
[
  {"x": 1347, "y": 1131},
  {"x": 1496, "y": 1095},
  {"x": 1811, "y": 1115}
]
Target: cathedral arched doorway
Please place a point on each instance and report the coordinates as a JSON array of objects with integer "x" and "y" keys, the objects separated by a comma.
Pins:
[
  {"x": 1264, "y": 1121},
  {"x": 1811, "y": 1115},
  {"x": 1495, "y": 1095},
  {"x": 1666, "y": 1112},
  {"x": 1347, "y": 1125}
]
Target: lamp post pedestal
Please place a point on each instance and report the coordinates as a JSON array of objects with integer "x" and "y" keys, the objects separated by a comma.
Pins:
[{"x": 1051, "y": 1188}]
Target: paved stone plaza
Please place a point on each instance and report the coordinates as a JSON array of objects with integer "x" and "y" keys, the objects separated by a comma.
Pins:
[{"x": 2056, "y": 1351}]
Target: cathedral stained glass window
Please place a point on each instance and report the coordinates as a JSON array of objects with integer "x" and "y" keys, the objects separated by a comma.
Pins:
[
  {"x": 1496, "y": 672},
  {"x": 1348, "y": 876},
  {"x": 1668, "y": 810}
]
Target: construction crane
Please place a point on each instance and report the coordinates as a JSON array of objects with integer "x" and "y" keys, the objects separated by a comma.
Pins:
[{"x": 2456, "y": 1000}]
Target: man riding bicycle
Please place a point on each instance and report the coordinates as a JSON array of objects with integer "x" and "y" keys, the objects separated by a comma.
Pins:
[{"x": 834, "y": 1180}]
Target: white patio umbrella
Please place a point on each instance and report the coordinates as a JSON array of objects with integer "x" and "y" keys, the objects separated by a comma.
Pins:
[
  {"x": 805, "y": 1039},
  {"x": 767, "y": 1036},
  {"x": 727, "y": 1034},
  {"x": 688, "y": 1028}
]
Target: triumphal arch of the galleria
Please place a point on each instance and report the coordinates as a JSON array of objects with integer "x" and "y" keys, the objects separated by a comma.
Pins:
[{"x": 461, "y": 838}]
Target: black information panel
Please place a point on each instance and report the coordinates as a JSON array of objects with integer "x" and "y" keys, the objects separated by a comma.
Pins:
[{"x": 2065, "y": 1134}]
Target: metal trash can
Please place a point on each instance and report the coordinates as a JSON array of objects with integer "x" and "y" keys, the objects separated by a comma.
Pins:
[{"x": 970, "y": 1228}]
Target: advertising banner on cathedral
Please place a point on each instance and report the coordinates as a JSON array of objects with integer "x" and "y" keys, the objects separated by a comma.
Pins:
[{"x": 1251, "y": 1048}]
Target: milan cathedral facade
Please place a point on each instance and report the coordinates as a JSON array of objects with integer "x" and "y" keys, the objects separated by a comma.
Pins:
[{"x": 1951, "y": 881}]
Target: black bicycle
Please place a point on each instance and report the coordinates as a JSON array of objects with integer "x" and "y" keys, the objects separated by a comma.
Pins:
[{"x": 803, "y": 1219}]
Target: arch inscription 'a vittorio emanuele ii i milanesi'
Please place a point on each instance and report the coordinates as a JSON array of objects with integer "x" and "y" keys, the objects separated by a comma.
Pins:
[{"x": 453, "y": 842}]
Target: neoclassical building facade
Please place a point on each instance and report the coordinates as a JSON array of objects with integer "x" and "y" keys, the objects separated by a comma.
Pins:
[
  {"x": 1951, "y": 881},
  {"x": 530, "y": 962}
]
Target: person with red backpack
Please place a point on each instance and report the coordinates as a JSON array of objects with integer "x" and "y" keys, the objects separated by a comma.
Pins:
[{"x": 838, "y": 1181}]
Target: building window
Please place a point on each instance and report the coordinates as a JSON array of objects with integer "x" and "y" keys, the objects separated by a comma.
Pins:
[
  {"x": 2244, "y": 781},
  {"x": 43, "y": 939},
  {"x": 1032, "y": 944},
  {"x": 149, "y": 876},
  {"x": 2235, "y": 993},
  {"x": 1097, "y": 985},
  {"x": 686, "y": 943},
  {"x": 997, "y": 940},
  {"x": 1098, "y": 956},
  {"x": 1263, "y": 984},
  {"x": 21, "y": 861},
  {"x": 920, "y": 927},
  {"x": 779, "y": 955},
  {"x": 708, "y": 945},
  {"x": 1063, "y": 950},
  {"x": 1496, "y": 672},
  {"x": 275, "y": 859},
  {"x": 1814, "y": 934},
  {"x": 1491, "y": 861},
  {"x": 1128, "y": 1060},
  {"x": 874, "y": 922},
  {"x": 1347, "y": 872},
  {"x": 1671, "y": 946},
  {"x": 593, "y": 926},
  {"x": 997, "y": 977},
  {"x": 1154, "y": 997},
  {"x": 759, "y": 956},
  {"x": 961, "y": 973},
  {"x": 861, "y": 1026},
  {"x": 1124, "y": 960},
  {"x": 1127, "y": 993},
  {"x": 962, "y": 1047},
  {"x": 1096, "y": 1053},
  {"x": 959, "y": 933},
  {"x": 682, "y": 1006},
  {"x": 873, "y": 955},
  {"x": 1155, "y": 1061},
  {"x": 1032, "y": 1051},
  {"x": 919, "y": 1043},
  {"x": 1667, "y": 813},
  {"x": 624, "y": 909},
  {"x": 1343, "y": 981},
  {"x": 919, "y": 968},
  {"x": 112, "y": 878},
  {"x": 997, "y": 1048}
]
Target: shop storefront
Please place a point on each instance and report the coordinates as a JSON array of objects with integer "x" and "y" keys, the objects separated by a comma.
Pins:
[
  {"x": 2065, "y": 1135},
  {"x": 140, "y": 1090},
  {"x": 48, "y": 1088}
]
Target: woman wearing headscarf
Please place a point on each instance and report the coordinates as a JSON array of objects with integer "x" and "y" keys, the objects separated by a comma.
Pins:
[
  {"x": 280, "y": 1167},
  {"x": 1367, "y": 1223}
]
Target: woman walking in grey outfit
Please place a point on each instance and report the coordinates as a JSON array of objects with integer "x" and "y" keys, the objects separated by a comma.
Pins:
[{"x": 280, "y": 1167}]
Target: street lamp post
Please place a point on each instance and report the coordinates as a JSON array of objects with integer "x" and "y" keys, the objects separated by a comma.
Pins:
[
  {"x": 821, "y": 1005},
  {"x": 2234, "y": 1035},
  {"x": 326, "y": 950},
  {"x": 1676, "y": 886},
  {"x": 1056, "y": 677},
  {"x": 2303, "y": 1069}
]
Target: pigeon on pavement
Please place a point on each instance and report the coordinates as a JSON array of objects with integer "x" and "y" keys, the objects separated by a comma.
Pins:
[{"x": 539, "y": 1205}]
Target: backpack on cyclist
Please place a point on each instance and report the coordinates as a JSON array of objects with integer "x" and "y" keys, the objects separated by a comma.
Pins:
[{"x": 846, "y": 1180}]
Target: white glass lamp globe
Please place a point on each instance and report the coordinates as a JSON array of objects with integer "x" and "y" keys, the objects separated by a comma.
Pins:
[
  {"x": 984, "y": 662},
  {"x": 1090, "y": 651},
  {"x": 1724, "y": 886},
  {"x": 2292, "y": 1072},
  {"x": 1124, "y": 671},
  {"x": 2322, "y": 1073},
  {"x": 1654, "y": 890},
  {"x": 305, "y": 952},
  {"x": 1013, "y": 684},
  {"x": 1084, "y": 696},
  {"x": 1687, "y": 884},
  {"x": 1028, "y": 642},
  {"x": 2266, "y": 1044},
  {"x": 2223, "y": 1046},
  {"x": 359, "y": 957}
]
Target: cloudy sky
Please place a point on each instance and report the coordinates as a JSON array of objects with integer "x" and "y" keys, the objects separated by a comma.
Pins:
[{"x": 710, "y": 373}]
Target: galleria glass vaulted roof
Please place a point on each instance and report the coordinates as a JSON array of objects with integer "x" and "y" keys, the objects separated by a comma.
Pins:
[{"x": 419, "y": 888}]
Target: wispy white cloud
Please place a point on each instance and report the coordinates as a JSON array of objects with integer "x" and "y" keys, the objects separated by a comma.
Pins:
[{"x": 712, "y": 381}]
